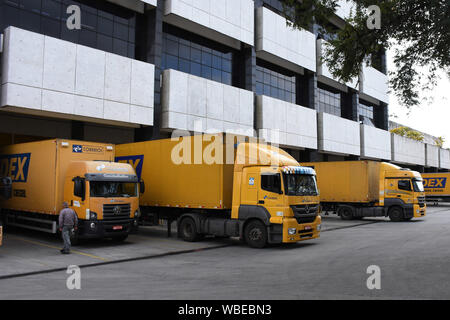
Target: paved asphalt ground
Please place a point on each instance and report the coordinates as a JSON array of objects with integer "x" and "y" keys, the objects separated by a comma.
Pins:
[{"x": 414, "y": 258}]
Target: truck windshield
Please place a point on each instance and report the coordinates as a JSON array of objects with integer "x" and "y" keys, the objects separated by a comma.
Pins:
[
  {"x": 110, "y": 189},
  {"x": 300, "y": 185},
  {"x": 418, "y": 185}
]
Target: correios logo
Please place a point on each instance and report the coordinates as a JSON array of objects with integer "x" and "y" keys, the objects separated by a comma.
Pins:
[
  {"x": 434, "y": 183},
  {"x": 135, "y": 161},
  {"x": 15, "y": 166},
  {"x": 78, "y": 148}
]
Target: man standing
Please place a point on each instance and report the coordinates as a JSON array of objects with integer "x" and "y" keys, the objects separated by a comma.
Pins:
[{"x": 68, "y": 220}]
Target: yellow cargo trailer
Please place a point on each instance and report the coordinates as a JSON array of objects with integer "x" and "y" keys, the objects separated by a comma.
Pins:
[
  {"x": 104, "y": 194},
  {"x": 356, "y": 189},
  {"x": 437, "y": 186},
  {"x": 225, "y": 186}
]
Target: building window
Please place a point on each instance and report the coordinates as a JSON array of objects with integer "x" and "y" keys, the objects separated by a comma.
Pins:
[
  {"x": 329, "y": 100},
  {"x": 327, "y": 33},
  {"x": 104, "y": 26},
  {"x": 195, "y": 55},
  {"x": 274, "y": 5},
  {"x": 275, "y": 82},
  {"x": 365, "y": 113}
]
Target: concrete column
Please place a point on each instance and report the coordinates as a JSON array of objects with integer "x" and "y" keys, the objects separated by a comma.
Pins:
[
  {"x": 150, "y": 38},
  {"x": 349, "y": 105},
  {"x": 244, "y": 68},
  {"x": 381, "y": 116},
  {"x": 306, "y": 90}
]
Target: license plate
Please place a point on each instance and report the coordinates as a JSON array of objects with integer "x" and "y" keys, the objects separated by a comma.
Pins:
[
  {"x": 308, "y": 228},
  {"x": 117, "y": 227}
]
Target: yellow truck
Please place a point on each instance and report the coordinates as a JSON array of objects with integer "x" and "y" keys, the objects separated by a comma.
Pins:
[
  {"x": 436, "y": 187},
  {"x": 44, "y": 174},
  {"x": 225, "y": 186},
  {"x": 356, "y": 189}
]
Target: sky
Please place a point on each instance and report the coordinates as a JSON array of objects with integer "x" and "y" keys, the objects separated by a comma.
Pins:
[{"x": 429, "y": 117}]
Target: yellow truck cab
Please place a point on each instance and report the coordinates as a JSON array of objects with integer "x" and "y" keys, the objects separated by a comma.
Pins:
[
  {"x": 44, "y": 174},
  {"x": 283, "y": 193},
  {"x": 105, "y": 196},
  {"x": 404, "y": 195},
  {"x": 259, "y": 193},
  {"x": 356, "y": 189}
]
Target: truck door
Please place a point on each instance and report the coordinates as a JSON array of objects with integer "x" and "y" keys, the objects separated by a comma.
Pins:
[
  {"x": 270, "y": 193},
  {"x": 249, "y": 189},
  {"x": 398, "y": 189}
]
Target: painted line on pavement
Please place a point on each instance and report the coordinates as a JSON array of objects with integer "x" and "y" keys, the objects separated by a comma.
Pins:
[
  {"x": 58, "y": 248},
  {"x": 161, "y": 255}
]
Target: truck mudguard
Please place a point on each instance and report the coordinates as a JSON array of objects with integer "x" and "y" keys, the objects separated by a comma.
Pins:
[
  {"x": 249, "y": 211},
  {"x": 396, "y": 202}
]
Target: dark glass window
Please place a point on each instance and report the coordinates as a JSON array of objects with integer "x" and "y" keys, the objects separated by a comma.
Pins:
[
  {"x": 404, "y": 185},
  {"x": 365, "y": 113},
  {"x": 274, "y": 5},
  {"x": 327, "y": 32},
  {"x": 104, "y": 26},
  {"x": 186, "y": 52},
  {"x": 275, "y": 82},
  {"x": 329, "y": 100},
  {"x": 271, "y": 182}
]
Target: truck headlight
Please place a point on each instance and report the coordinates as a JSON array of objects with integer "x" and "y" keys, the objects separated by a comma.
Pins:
[
  {"x": 319, "y": 227},
  {"x": 292, "y": 231},
  {"x": 137, "y": 213}
]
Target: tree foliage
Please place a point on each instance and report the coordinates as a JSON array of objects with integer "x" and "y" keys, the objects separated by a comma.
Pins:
[
  {"x": 418, "y": 29},
  {"x": 439, "y": 141},
  {"x": 408, "y": 133}
]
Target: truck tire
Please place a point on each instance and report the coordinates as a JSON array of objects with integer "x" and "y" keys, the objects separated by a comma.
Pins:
[
  {"x": 188, "y": 230},
  {"x": 255, "y": 234},
  {"x": 345, "y": 212},
  {"x": 396, "y": 214}
]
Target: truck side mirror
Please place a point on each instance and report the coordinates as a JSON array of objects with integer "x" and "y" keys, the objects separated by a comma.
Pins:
[
  {"x": 142, "y": 186},
  {"x": 79, "y": 188}
]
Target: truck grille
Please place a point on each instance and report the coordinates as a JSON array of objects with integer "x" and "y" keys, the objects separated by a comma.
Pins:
[
  {"x": 421, "y": 201},
  {"x": 113, "y": 212},
  {"x": 305, "y": 213}
]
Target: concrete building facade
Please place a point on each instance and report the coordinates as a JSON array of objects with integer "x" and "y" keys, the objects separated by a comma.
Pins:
[{"x": 138, "y": 70}]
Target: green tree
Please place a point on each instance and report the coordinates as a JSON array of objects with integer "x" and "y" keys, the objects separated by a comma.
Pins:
[
  {"x": 440, "y": 141},
  {"x": 420, "y": 28},
  {"x": 409, "y": 133}
]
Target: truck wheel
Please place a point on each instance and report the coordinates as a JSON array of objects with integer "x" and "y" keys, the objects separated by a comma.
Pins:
[
  {"x": 188, "y": 230},
  {"x": 255, "y": 234},
  {"x": 346, "y": 213},
  {"x": 396, "y": 214}
]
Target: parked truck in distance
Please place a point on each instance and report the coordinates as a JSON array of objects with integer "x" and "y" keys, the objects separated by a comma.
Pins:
[
  {"x": 5, "y": 193},
  {"x": 356, "y": 189},
  {"x": 44, "y": 174},
  {"x": 223, "y": 185},
  {"x": 436, "y": 187}
]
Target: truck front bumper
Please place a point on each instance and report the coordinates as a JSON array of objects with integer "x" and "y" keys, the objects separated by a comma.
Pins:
[
  {"x": 419, "y": 211},
  {"x": 89, "y": 229},
  {"x": 295, "y": 232}
]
